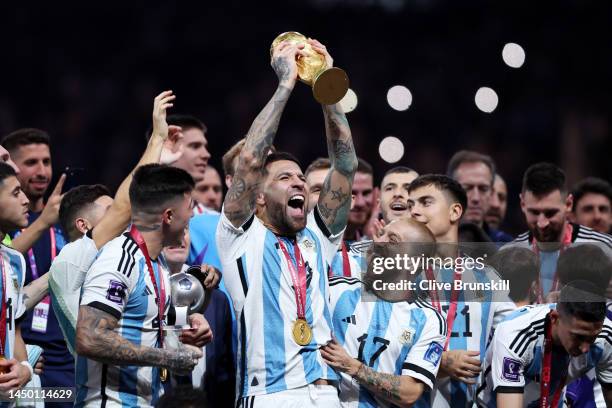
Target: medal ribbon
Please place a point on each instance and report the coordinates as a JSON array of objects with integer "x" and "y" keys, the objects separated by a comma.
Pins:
[
  {"x": 566, "y": 241},
  {"x": 4, "y": 306},
  {"x": 298, "y": 277},
  {"x": 546, "y": 370},
  {"x": 161, "y": 300},
  {"x": 346, "y": 265},
  {"x": 452, "y": 309}
]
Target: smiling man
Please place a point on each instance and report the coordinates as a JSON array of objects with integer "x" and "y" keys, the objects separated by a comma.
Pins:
[
  {"x": 546, "y": 204},
  {"x": 394, "y": 192}
]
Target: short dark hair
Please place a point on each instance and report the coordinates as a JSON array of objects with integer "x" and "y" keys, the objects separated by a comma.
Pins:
[
  {"x": 544, "y": 178},
  {"x": 585, "y": 262},
  {"x": 278, "y": 156},
  {"x": 364, "y": 167},
  {"x": 154, "y": 185},
  {"x": 184, "y": 121},
  {"x": 322, "y": 163},
  {"x": 470, "y": 156},
  {"x": 24, "y": 137},
  {"x": 520, "y": 267},
  {"x": 443, "y": 183},
  {"x": 76, "y": 201},
  {"x": 6, "y": 171},
  {"x": 593, "y": 185},
  {"x": 399, "y": 170},
  {"x": 581, "y": 299}
]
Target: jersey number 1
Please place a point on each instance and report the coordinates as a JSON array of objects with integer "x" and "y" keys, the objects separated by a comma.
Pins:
[{"x": 466, "y": 313}]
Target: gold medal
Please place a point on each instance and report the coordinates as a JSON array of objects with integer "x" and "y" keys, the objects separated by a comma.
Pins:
[
  {"x": 302, "y": 334},
  {"x": 163, "y": 374}
]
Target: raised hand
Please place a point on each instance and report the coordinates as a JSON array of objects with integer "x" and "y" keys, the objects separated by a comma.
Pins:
[
  {"x": 161, "y": 103},
  {"x": 173, "y": 147},
  {"x": 321, "y": 49},
  {"x": 284, "y": 62},
  {"x": 50, "y": 214}
]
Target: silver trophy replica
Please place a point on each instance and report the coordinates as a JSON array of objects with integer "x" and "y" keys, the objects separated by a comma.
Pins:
[{"x": 187, "y": 296}]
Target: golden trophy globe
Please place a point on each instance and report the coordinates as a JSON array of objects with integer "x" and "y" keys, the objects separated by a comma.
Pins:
[{"x": 329, "y": 84}]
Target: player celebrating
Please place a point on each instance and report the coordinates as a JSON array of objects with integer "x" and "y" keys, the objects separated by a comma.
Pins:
[
  {"x": 274, "y": 263},
  {"x": 388, "y": 350},
  {"x": 550, "y": 344},
  {"x": 13, "y": 214},
  {"x": 439, "y": 201},
  {"x": 125, "y": 299}
]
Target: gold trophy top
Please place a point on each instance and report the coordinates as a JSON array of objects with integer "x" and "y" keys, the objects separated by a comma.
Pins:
[{"x": 309, "y": 65}]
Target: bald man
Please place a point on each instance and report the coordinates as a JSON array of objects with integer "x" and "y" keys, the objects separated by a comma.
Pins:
[{"x": 371, "y": 337}]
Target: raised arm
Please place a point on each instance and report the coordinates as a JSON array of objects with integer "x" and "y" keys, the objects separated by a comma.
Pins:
[
  {"x": 239, "y": 203},
  {"x": 118, "y": 215},
  {"x": 335, "y": 198},
  {"x": 97, "y": 339}
]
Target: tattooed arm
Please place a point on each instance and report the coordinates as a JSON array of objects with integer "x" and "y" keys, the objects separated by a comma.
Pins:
[
  {"x": 97, "y": 340},
  {"x": 239, "y": 202},
  {"x": 35, "y": 291},
  {"x": 400, "y": 390},
  {"x": 335, "y": 198}
]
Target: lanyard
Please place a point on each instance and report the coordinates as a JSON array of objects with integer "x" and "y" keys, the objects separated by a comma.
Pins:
[
  {"x": 161, "y": 300},
  {"x": 546, "y": 370},
  {"x": 452, "y": 309},
  {"x": 346, "y": 265},
  {"x": 567, "y": 241},
  {"x": 32, "y": 257},
  {"x": 298, "y": 277},
  {"x": 4, "y": 306}
]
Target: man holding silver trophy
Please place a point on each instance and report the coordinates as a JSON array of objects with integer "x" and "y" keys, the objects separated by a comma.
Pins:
[
  {"x": 275, "y": 263},
  {"x": 126, "y": 300}
]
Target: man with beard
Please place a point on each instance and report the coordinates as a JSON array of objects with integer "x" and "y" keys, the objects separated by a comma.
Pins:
[
  {"x": 593, "y": 204},
  {"x": 546, "y": 204},
  {"x": 274, "y": 263},
  {"x": 364, "y": 195},
  {"x": 209, "y": 191},
  {"x": 30, "y": 150}
]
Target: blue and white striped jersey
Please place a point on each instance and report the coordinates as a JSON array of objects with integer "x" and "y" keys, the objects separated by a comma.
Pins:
[
  {"x": 13, "y": 267},
  {"x": 548, "y": 259},
  {"x": 119, "y": 283},
  {"x": 258, "y": 280},
  {"x": 356, "y": 260},
  {"x": 514, "y": 357},
  {"x": 399, "y": 338},
  {"x": 475, "y": 319}
]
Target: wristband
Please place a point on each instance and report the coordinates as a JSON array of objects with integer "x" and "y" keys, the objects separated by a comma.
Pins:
[{"x": 27, "y": 364}]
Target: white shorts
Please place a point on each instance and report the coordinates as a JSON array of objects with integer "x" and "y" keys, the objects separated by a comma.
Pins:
[{"x": 308, "y": 396}]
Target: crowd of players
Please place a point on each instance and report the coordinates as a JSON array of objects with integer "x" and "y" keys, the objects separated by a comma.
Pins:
[{"x": 283, "y": 259}]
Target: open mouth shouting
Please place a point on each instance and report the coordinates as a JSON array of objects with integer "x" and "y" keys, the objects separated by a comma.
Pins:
[{"x": 295, "y": 205}]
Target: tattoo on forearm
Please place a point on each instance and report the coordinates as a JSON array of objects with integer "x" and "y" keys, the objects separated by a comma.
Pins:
[
  {"x": 240, "y": 200},
  {"x": 339, "y": 195},
  {"x": 97, "y": 340},
  {"x": 387, "y": 384},
  {"x": 281, "y": 68}
]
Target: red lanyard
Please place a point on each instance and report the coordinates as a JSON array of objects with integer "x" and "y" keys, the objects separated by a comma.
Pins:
[
  {"x": 161, "y": 300},
  {"x": 567, "y": 241},
  {"x": 298, "y": 276},
  {"x": 346, "y": 264},
  {"x": 452, "y": 309},
  {"x": 32, "y": 258},
  {"x": 546, "y": 370},
  {"x": 3, "y": 312}
]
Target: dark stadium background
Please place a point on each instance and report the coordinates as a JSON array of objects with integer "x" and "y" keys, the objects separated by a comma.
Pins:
[{"x": 88, "y": 72}]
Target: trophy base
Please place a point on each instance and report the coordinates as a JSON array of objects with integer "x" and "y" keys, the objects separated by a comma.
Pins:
[{"x": 330, "y": 86}]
